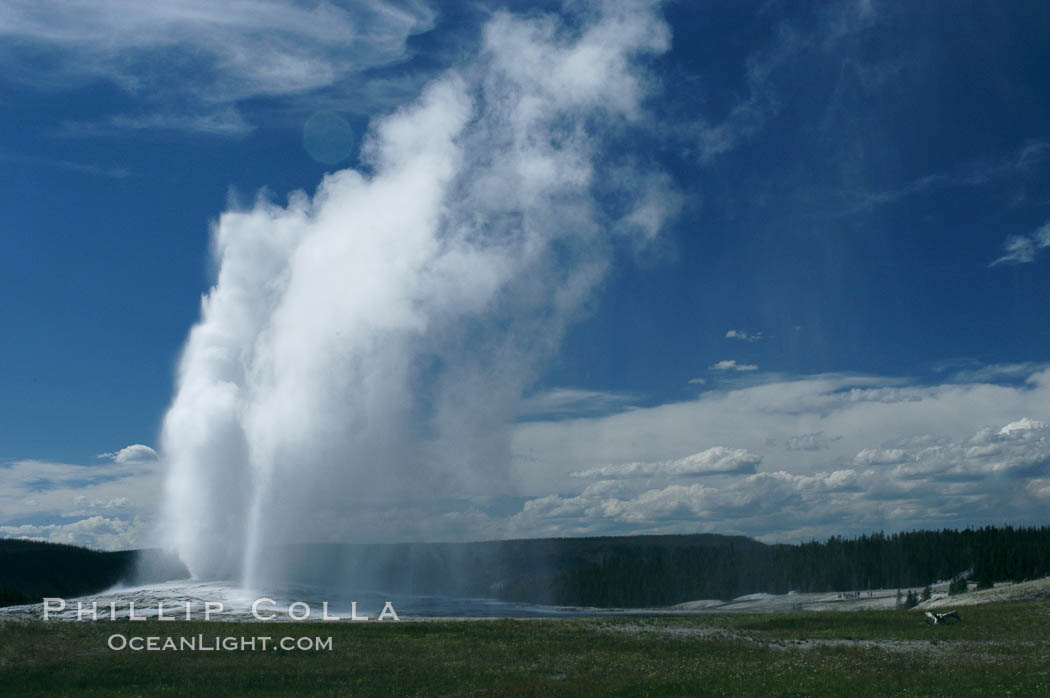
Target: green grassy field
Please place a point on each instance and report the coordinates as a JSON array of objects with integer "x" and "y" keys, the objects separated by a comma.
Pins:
[{"x": 996, "y": 650}]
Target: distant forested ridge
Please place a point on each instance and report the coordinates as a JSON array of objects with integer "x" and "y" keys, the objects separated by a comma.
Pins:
[
  {"x": 633, "y": 571},
  {"x": 620, "y": 571},
  {"x": 31, "y": 570}
]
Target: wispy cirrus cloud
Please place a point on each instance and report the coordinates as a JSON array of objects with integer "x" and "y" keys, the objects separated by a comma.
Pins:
[
  {"x": 221, "y": 122},
  {"x": 972, "y": 371},
  {"x": 970, "y": 174},
  {"x": 732, "y": 365},
  {"x": 86, "y": 168},
  {"x": 845, "y": 41},
  {"x": 571, "y": 402},
  {"x": 1022, "y": 249},
  {"x": 743, "y": 335},
  {"x": 191, "y": 63},
  {"x": 762, "y": 101}
]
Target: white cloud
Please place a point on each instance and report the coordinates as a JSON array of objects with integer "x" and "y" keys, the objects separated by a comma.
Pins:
[
  {"x": 1016, "y": 452},
  {"x": 816, "y": 441},
  {"x": 1022, "y": 425},
  {"x": 569, "y": 401},
  {"x": 135, "y": 453},
  {"x": 718, "y": 460},
  {"x": 98, "y": 532},
  {"x": 879, "y": 456},
  {"x": 902, "y": 456},
  {"x": 110, "y": 504},
  {"x": 1022, "y": 249},
  {"x": 191, "y": 62},
  {"x": 968, "y": 371},
  {"x": 732, "y": 365},
  {"x": 1040, "y": 488},
  {"x": 953, "y": 484},
  {"x": 114, "y": 503},
  {"x": 774, "y": 500},
  {"x": 743, "y": 335}
]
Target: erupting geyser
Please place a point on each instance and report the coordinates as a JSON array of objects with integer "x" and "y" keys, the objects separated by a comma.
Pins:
[{"x": 362, "y": 351}]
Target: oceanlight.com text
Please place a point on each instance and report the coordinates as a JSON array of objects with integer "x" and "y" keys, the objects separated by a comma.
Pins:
[{"x": 216, "y": 643}]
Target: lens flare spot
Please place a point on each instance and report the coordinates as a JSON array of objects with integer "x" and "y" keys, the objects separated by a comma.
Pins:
[{"x": 328, "y": 138}]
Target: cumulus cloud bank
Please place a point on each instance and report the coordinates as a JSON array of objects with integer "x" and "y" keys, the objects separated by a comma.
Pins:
[
  {"x": 803, "y": 457},
  {"x": 98, "y": 532},
  {"x": 370, "y": 343},
  {"x": 109, "y": 505},
  {"x": 817, "y": 455}
]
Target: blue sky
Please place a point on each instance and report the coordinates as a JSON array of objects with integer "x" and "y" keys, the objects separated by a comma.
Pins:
[{"x": 856, "y": 197}]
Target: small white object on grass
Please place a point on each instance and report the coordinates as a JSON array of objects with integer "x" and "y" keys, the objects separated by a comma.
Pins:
[{"x": 938, "y": 618}]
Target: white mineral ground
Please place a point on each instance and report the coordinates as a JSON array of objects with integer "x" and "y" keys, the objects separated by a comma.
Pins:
[{"x": 875, "y": 599}]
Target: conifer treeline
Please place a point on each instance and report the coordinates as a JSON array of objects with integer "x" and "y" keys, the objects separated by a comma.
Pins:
[
  {"x": 654, "y": 575},
  {"x": 31, "y": 570}
]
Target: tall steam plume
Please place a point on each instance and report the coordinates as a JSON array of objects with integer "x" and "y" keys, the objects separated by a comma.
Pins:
[{"x": 370, "y": 344}]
